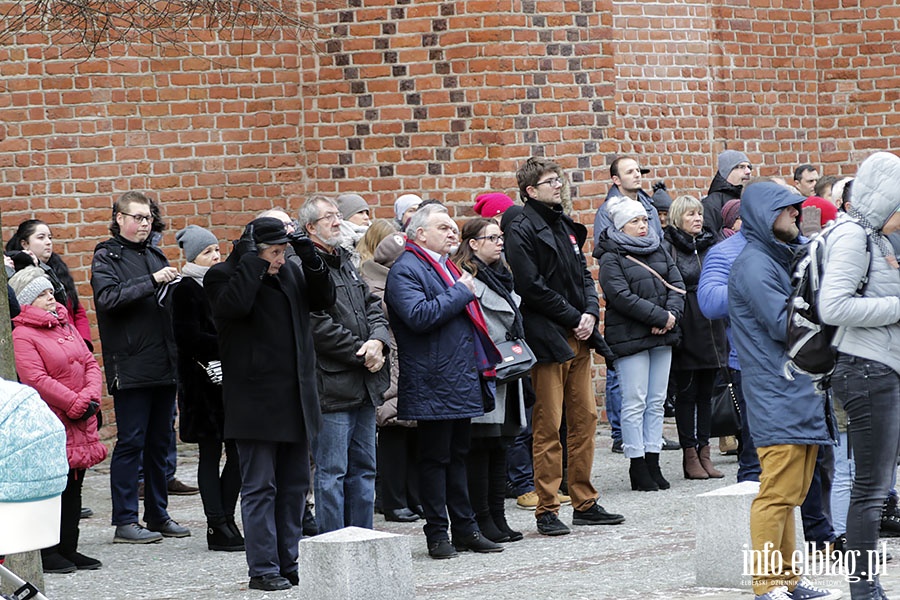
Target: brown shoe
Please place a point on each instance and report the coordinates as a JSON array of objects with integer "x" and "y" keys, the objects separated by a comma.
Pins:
[
  {"x": 177, "y": 488},
  {"x": 707, "y": 465},
  {"x": 691, "y": 464}
]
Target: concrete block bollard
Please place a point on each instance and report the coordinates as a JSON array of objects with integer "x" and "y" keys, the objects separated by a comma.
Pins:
[
  {"x": 354, "y": 563},
  {"x": 723, "y": 536}
]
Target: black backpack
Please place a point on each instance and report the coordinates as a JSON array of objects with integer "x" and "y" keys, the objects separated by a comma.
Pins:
[{"x": 809, "y": 341}]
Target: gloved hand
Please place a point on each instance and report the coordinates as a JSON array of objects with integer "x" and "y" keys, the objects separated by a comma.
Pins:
[
  {"x": 93, "y": 407},
  {"x": 246, "y": 244},
  {"x": 305, "y": 249}
]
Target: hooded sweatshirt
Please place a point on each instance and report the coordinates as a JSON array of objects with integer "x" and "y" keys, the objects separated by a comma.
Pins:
[
  {"x": 871, "y": 322},
  {"x": 780, "y": 410}
]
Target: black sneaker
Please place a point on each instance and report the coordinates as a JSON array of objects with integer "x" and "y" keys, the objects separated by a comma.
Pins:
[
  {"x": 595, "y": 515},
  {"x": 269, "y": 583},
  {"x": 890, "y": 518},
  {"x": 617, "y": 447},
  {"x": 670, "y": 445},
  {"x": 549, "y": 524}
]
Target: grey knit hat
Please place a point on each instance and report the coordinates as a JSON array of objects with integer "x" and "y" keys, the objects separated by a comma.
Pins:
[
  {"x": 28, "y": 284},
  {"x": 728, "y": 160},
  {"x": 622, "y": 210},
  {"x": 350, "y": 204},
  {"x": 194, "y": 240}
]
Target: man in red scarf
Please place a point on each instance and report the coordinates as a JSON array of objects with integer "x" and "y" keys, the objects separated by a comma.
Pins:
[{"x": 446, "y": 361}]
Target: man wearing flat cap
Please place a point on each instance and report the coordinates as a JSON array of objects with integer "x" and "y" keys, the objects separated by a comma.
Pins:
[{"x": 261, "y": 307}]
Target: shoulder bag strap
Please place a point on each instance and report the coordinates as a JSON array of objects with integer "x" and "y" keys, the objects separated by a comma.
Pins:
[{"x": 657, "y": 275}]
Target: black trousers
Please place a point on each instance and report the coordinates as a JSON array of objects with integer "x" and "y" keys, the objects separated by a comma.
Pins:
[
  {"x": 443, "y": 484},
  {"x": 398, "y": 479},
  {"x": 218, "y": 491},
  {"x": 70, "y": 515},
  {"x": 693, "y": 406}
]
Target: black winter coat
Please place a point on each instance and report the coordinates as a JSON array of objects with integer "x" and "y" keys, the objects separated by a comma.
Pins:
[
  {"x": 265, "y": 340},
  {"x": 720, "y": 192},
  {"x": 136, "y": 333},
  {"x": 200, "y": 409},
  {"x": 551, "y": 277},
  {"x": 636, "y": 300},
  {"x": 344, "y": 382},
  {"x": 703, "y": 343}
]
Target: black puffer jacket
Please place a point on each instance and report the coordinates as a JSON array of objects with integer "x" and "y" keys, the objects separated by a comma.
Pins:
[
  {"x": 343, "y": 380},
  {"x": 703, "y": 343},
  {"x": 720, "y": 192},
  {"x": 636, "y": 300},
  {"x": 136, "y": 333},
  {"x": 552, "y": 278}
]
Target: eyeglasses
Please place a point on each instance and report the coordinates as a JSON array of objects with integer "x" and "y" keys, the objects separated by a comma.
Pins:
[
  {"x": 334, "y": 216},
  {"x": 553, "y": 181},
  {"x": 139, "y": 218},
  {"x": 493, "y": 238}
]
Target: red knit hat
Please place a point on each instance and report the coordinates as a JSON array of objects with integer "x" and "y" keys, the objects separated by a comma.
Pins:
[{"x": 492, "y": 204}]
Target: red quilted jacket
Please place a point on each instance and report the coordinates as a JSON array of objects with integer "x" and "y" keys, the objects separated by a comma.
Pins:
[{"x": 52, "y": 358}]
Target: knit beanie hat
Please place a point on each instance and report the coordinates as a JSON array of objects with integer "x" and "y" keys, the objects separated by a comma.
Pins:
[
  {"x": 621, "y": 210},
  {"x": 28, "y": 284},
  {"x": 729, "y": 159},
  {"x": 730, "y": 212},
  {"x": 492, "y": 204},
  {"x": 404, "y": 202},
  {"x": 350, "y": 204},
  {"x": 389, "y": 249},
  {"x": 661, "y": 199},
  {"x": 194, "y": 240}
]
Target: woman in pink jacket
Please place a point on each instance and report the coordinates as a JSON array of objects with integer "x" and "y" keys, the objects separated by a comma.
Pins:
[{"x": 52, "y": 357}]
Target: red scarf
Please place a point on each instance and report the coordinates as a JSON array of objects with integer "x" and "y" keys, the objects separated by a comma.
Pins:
[{"x": 486, "y": 352}]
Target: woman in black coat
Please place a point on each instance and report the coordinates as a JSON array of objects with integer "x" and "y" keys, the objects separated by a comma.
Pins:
[
  {"x": 644, "y": 301},
  {"x": 701, "y": 352},
  {"x": 200, "y": 399}
]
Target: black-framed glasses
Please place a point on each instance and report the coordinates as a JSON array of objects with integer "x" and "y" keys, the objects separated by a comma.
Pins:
[
  {"x": 493, "y": 238},
  {"x": 553, "y": 181},
  {"x": 139, "y": 218}
]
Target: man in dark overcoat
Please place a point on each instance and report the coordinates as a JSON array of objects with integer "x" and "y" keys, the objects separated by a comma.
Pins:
[{"x": 261, "y": 307}]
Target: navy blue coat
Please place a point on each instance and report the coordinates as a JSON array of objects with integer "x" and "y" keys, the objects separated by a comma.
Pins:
[
  {"x": 439, "y": 377},
  {"x": 780, "y": 410}
]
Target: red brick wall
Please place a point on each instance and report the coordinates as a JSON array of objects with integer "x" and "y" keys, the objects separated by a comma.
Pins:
[{"x": 441, "y": 98}]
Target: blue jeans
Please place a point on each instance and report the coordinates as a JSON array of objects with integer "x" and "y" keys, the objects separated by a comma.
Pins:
[
  {"x": 644, "y": 381},
  {"x": 748, "y": 460},
  {"x": 613, "y": 404},
  {"x": 869, "y": 391},
  {"x": 144, "y": 425},
  {"x": 519, "y": 469},
  {"x": 844, "y": 468},
  {"x": 345, "y": 469}
]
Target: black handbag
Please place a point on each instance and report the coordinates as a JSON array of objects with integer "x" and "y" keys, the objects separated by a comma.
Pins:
[
  {"x": 726, "y": 413},
  {"x": 516, "y": 361}
]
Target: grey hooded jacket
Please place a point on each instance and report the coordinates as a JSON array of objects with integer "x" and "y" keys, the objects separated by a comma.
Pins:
[{"x": 870, "y": 324}]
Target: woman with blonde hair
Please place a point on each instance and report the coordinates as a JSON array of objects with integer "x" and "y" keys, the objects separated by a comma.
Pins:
[{"x": 377, "y": 231}]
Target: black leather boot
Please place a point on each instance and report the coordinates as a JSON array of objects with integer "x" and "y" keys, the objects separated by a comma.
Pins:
[
  {"x": 655, "y": 473},
  {"x": 640, "y": 476}
]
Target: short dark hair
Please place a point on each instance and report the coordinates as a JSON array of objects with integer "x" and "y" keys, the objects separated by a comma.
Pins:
[
  {"x": 529, "y": 173},
  {"x": 614, "y": 166},
  {"x": 122, "y": 204},
  {"x": 799, "y": 171},
  {"x": 825, "y": 183}
]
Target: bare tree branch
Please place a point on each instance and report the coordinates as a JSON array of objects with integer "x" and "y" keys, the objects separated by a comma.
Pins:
[{"x": 95, "y": 24}]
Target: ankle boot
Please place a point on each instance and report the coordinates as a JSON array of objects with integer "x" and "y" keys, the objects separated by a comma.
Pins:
[
  {"x": 655, "y": 473},
  {"x": 220, "y": 537},
  {"x": 640, "y": 476},
  {"x": 502, "y": 525},
  {"x": 690, "y": 462},
  {"x": 235, "y": 532},
  {"x": 707, "y": 465},
  {"x": 866, "y": 590},
  {"x": 490, "y": 530}
]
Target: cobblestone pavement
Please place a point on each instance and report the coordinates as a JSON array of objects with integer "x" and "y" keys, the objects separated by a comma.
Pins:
[{"x": 650, "y": 556}]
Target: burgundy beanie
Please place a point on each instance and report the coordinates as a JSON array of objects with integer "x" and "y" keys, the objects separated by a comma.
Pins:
[
  {"x": 492, "y": 204},
  {"x": 731, "y": 212}
]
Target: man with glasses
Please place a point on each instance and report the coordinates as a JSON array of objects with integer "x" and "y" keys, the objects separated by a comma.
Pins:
[
  {"x": 560, "y": 309},
  {"x": 733, "y": 173},
  {"x": 352, "y": 342},
  {"x": 127, "y": 272}
]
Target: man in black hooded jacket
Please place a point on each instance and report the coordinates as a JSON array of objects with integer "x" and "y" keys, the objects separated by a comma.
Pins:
[{"x": 733, "y": 173}]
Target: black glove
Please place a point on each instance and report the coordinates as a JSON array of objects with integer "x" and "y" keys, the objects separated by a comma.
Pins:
[
  {"x": 245, "y": 245},
  {"x": 305, "y": 249},
  {"x": 92, "y": 409}
]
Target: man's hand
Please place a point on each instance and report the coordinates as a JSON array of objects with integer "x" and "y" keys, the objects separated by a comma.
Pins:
[
  {"x": 585, "y": 327},
  {"x": 165, "y": 275},
  {"x": 373, "y": 355},
  {"x": 467, "y": 280}
]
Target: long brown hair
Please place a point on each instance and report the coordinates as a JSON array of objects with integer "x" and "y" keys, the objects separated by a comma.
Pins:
[
  {"x": 465, "y": 256},
  {"x": 377, "y": 231}
]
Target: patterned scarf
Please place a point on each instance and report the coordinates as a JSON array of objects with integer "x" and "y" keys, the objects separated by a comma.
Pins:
[
  {"x": 876, "y": 235},
  {"x": 486, "y": 354}
]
